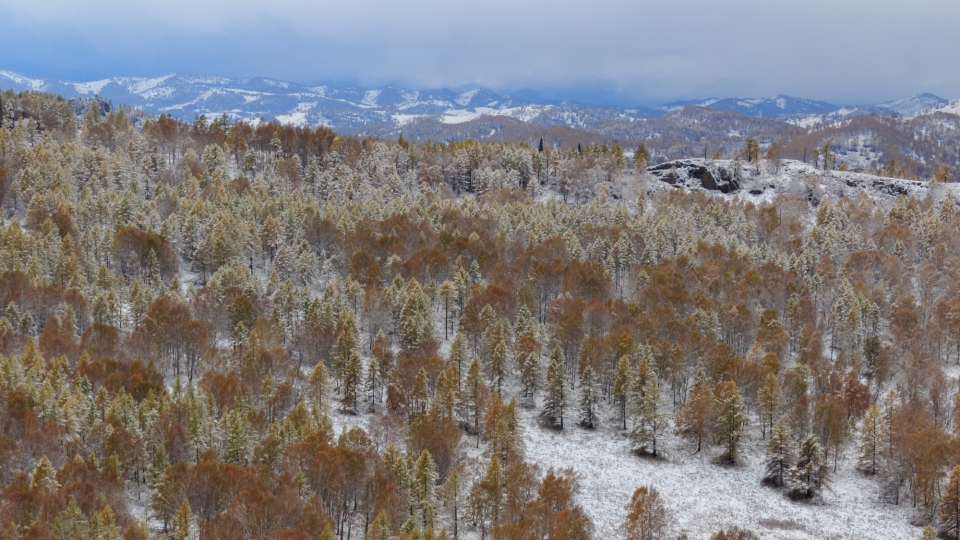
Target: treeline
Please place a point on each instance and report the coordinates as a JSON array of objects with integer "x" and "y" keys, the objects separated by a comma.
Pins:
[{"x": 188, "y": 311}]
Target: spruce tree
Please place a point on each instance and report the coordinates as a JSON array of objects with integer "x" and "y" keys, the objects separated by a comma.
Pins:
[
  {"x": 555, "y": 400},
  {"x": 731, "y": 420},
  {"x": 779, "y": 455},
  {"x": 425, "y": 479},
  {"x": 237, "y": 444},
  {"x": 648, "y": 421},
  {"x": 588, "y": 399},
  {"x": 352, "y": 379},
  {"x": 811, "y": 472}
]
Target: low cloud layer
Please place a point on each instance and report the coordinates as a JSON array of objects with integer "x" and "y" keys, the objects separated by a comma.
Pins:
[{"x": 643, "y": 52}]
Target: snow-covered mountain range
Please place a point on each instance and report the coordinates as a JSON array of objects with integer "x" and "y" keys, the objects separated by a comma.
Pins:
[{"x": 389, "y": 108}]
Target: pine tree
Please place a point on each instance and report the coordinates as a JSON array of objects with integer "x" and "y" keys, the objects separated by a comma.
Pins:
[
  {"x": 731, "y": 420},
  {"x": 873, "y": 440},
  {"x": 498, "y": 358},
  {"x": 425, "y": 479},
  {"x": 779, "y": 455},
  {"x": 929, "y": 533},
  {"x": 414, "y": 324},
  {"x": 348, "y": 343},
  {"x": 352, "y": 379},
  {"x": 648, "y": 421},
  {"x": 237, "y": 445},
  {"x": 811, "y": 472},
  {"x": 555, "y": 400},
  {"x": 588, "y": 399}
]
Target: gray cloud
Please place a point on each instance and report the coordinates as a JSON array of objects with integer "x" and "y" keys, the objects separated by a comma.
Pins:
[{"x": 854, "y": 51}]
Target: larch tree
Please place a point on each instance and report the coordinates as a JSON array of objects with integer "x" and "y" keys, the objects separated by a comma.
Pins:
[
  {"x": 621, "y": 388},
  {"x": 697, "y": 416},
  {"x": 950, "y": 506},
  {"x": 769, "y": 401},
  {"x": 647, "y": 516},
  {"x": 873, "y": 441},
  {"x": 183, "y": 526}
]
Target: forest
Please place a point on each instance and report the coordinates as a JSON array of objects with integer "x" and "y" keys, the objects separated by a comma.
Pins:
[{"x": 227, "y": 330}]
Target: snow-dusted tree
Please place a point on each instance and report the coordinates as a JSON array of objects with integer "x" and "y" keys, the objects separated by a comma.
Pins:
[
  {"x": 769, "y": 401},
  {"x": 779, "y": 455},
  {"x": 732, "y": 419},
  {"x": 696, "y": 417},
  {"x": 237, "y": 444},
  {"x": 458, "y": 354},
  {"x": 414, "y": 325},
  {"x": 348, "y": 343},
  {"x": 183, "y": 525},
  {"x": 621, "y": 388},
  {"x": 352, "y": 381},
  {"x": 555, "y": 399},
  {"x": 648, "y": 421},
  {"x": 647, "y": 516},
  {"x": 498, "y": 356},
  {"x": 811, "y": 472},
  {"x": 373, "y": 385},
  {"x": 950, "y": 506},
  {"x": 487, "y": 496},
  {"x": 319, "y": 385},
  {"x": 873, "y": 441},
  {"x": 474, "y": 395},
  {"x": 424, "y": 488},
  {"x": 589, "y": 398}
]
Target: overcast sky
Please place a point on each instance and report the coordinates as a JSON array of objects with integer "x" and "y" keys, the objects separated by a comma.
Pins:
[{"x": 631, "y": 51}]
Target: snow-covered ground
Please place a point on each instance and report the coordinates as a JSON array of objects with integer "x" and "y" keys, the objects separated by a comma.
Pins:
[{"x": 705, "y": 497}]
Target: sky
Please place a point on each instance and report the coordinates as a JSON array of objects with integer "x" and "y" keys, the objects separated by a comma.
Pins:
[{"x": 613, "y": 51}]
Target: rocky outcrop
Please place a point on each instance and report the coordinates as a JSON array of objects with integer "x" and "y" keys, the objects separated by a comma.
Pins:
[{"x": 697, "y": 174}]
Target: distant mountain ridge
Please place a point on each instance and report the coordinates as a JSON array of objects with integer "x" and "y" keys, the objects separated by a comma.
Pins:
[
  {"x": 771, "y": 107},
  {"x": 389, "y": 109}
]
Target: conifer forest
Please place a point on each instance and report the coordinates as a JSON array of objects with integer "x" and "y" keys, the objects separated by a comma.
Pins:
[{"x": 229, "y": 330}]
